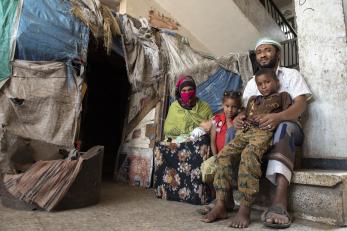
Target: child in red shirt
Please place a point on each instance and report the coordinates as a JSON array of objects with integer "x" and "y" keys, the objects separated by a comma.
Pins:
[{"x": 222, "y": 131}]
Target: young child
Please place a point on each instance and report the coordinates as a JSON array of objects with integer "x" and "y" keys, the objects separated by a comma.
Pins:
[
  {"x": 251, "y": 143},
  {"x": 222, "y": 132}
]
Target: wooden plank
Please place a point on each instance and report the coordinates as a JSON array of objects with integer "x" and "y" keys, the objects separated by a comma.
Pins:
[{"x": 145, "y": 110}]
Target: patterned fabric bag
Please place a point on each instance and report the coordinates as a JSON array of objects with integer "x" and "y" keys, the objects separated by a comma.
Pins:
[{"x": 177, "y": 174}]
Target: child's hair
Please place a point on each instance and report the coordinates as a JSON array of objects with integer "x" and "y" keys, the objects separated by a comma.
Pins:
[
  {"x": 266, "y": 71},
  {"x": 235, "y": 95}
]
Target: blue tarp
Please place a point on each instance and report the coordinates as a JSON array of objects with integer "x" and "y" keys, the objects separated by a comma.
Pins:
[
  {"x": 212, "y": 90},
  {"x": 48, "y": 31}
]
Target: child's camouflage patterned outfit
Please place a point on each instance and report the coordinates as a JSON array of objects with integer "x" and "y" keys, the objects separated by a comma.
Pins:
[{"x": 251, "y": 144}]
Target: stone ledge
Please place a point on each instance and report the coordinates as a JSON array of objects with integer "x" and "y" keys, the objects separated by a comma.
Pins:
[
  {"x": 325, "y": 178},
  {"x": 320, "y": 196},
  {"x": 315, "y": 195}
]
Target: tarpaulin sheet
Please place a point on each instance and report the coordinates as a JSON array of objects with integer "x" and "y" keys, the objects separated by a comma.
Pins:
[
  {"x": 38, "y": 103},
  {"x": 101, "y": 20},
  {"x": 238, "y": 63},
  {"x": 212, "y": 90},
  {"x": 49, "y": 32},
  {"x": 141, "y": 52},
  {"x": 8, "y": 11},
  {"x": 181, "y": 57}
]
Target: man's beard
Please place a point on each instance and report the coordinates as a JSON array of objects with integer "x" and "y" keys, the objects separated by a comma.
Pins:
[{"x": 272, "y": 64}]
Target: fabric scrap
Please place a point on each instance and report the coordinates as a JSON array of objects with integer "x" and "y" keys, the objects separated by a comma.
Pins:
[
  {"x": 99, "y": 18},
  {"x": 9, "y": 15},
  {"x": 45, "y": 183},
  {"x": 141, "y": 52},
  {"x": 40, "y": 103}
]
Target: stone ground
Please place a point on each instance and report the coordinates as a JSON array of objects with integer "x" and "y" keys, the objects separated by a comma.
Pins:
[{"x": 127, "y": 208}]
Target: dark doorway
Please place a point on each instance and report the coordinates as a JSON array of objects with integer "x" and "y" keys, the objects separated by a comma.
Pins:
[{"x": 105, "y": 104}]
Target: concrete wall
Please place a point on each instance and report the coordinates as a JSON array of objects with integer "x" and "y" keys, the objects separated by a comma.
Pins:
[
  {"x": 345, "y": 12},
  {"x": 260, "y": 18},
  {"x": 140, "y": 8},
  {"x": 323, "y": 62},
  {"x": 217, "y": 27},
  {"x": 221, "y": 25}
]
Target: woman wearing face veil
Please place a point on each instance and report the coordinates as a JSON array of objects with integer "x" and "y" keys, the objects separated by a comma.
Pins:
[
  {"x": 187, "y": 111},
  {"x": 177, "y": 174}
]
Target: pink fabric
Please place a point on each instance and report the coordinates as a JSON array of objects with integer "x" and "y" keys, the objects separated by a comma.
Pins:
[
  {"x": 186, "y": 96},
  {"x": 180, "y": 80}
]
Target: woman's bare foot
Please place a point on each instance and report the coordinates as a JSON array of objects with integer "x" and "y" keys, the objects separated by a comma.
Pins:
[
  {"x": 218, "y": 212},
  {"x": 242, "y": 218}
]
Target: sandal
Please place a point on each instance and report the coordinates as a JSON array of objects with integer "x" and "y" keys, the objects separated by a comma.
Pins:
[{"x": 276, "y": 210}]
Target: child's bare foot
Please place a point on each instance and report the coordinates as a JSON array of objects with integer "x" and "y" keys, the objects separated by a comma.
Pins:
[
  {"x": 218, "y": 212},
  {"x": 208, "y": 208},
  {"x": 242, "y": 218}
]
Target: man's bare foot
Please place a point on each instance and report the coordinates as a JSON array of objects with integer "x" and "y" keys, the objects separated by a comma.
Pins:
[
  {"x": 218, "y": 212},
  {"x": 242, "y": 218}
]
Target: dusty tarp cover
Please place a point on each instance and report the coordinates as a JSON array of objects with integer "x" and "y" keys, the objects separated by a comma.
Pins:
[
  {"x": 237, "y": 63},
  {"x": 38, "y": 102},
  {"x": 48, "y": 31},
  {"x": 183, "y": 59},
  {"x": 8, "y": 12},
  {"x": 141, "y": 52},
  {"x": 179, "y": 54},
  {"x": 99, "y": 18},
  {"x": 16, "y": 151}
]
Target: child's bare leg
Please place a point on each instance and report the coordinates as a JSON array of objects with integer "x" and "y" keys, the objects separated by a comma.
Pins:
[{"x": 222, "y": 178}]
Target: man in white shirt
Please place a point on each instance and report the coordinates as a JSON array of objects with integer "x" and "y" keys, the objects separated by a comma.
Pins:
[
  {"x": 287, "y": 135},
  {"x": 288, "y": 131}
]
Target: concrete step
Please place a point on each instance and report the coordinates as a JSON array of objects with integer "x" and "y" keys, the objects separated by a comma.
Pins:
[{"x": 315, "y": 195}]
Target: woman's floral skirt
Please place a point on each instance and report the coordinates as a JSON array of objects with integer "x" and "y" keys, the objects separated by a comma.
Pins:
[{"x": 177, "y": 174}]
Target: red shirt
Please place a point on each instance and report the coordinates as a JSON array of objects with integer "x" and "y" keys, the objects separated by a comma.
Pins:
[{"x": 220, "y": 124}]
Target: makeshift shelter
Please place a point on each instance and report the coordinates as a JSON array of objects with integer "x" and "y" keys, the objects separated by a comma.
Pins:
[
  {"x": 82, "y": 73},
  {"x": 42, "y": 99},
  {"x": 41, "y": 104}
]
